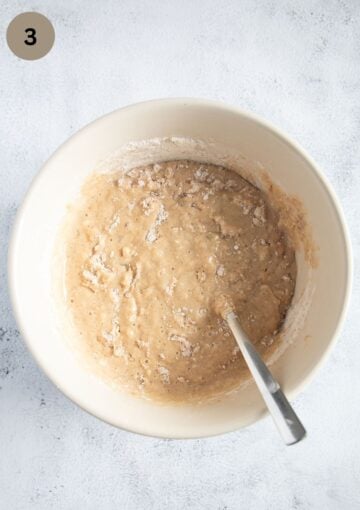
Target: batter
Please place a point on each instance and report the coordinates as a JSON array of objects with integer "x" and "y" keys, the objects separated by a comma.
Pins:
[{"x": 150, "y": 251}]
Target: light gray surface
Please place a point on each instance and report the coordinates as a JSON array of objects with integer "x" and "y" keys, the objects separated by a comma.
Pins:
[{"x": 299, "y": 68}]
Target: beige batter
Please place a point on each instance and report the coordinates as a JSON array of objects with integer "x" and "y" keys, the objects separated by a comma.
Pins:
[{"x": 149, "y": 253}]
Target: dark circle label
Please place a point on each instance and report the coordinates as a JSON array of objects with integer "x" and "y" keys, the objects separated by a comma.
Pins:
[{"x": 30, "y": 35}]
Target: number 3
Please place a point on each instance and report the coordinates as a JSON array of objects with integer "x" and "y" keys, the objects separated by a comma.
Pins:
[{"x": 31, "y": 39}]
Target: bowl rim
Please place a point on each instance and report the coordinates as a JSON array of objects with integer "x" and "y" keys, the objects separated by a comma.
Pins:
[{"x": 218, "y": 105}]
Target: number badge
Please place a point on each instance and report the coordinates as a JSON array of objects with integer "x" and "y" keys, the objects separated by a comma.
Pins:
[{"x": 30, "y": 35}]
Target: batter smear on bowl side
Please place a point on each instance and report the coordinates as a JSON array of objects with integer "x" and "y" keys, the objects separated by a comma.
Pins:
[{"x": 148, "y": 252}]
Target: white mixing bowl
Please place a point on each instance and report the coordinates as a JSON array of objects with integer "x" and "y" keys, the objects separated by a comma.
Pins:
[{"x": 36, "y": 227}]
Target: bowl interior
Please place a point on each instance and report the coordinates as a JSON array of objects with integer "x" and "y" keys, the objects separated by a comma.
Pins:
[{"x": 58, "y": 183}]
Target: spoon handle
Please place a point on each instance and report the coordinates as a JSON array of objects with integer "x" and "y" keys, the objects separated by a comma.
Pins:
[{"x": 284, "y": 416}]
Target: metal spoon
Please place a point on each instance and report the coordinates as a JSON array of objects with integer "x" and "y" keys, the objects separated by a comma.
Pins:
[{"x": 287, "y": 422}]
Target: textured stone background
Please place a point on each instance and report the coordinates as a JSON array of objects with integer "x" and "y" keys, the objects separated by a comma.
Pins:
[{"x": 297, "y": 64}]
